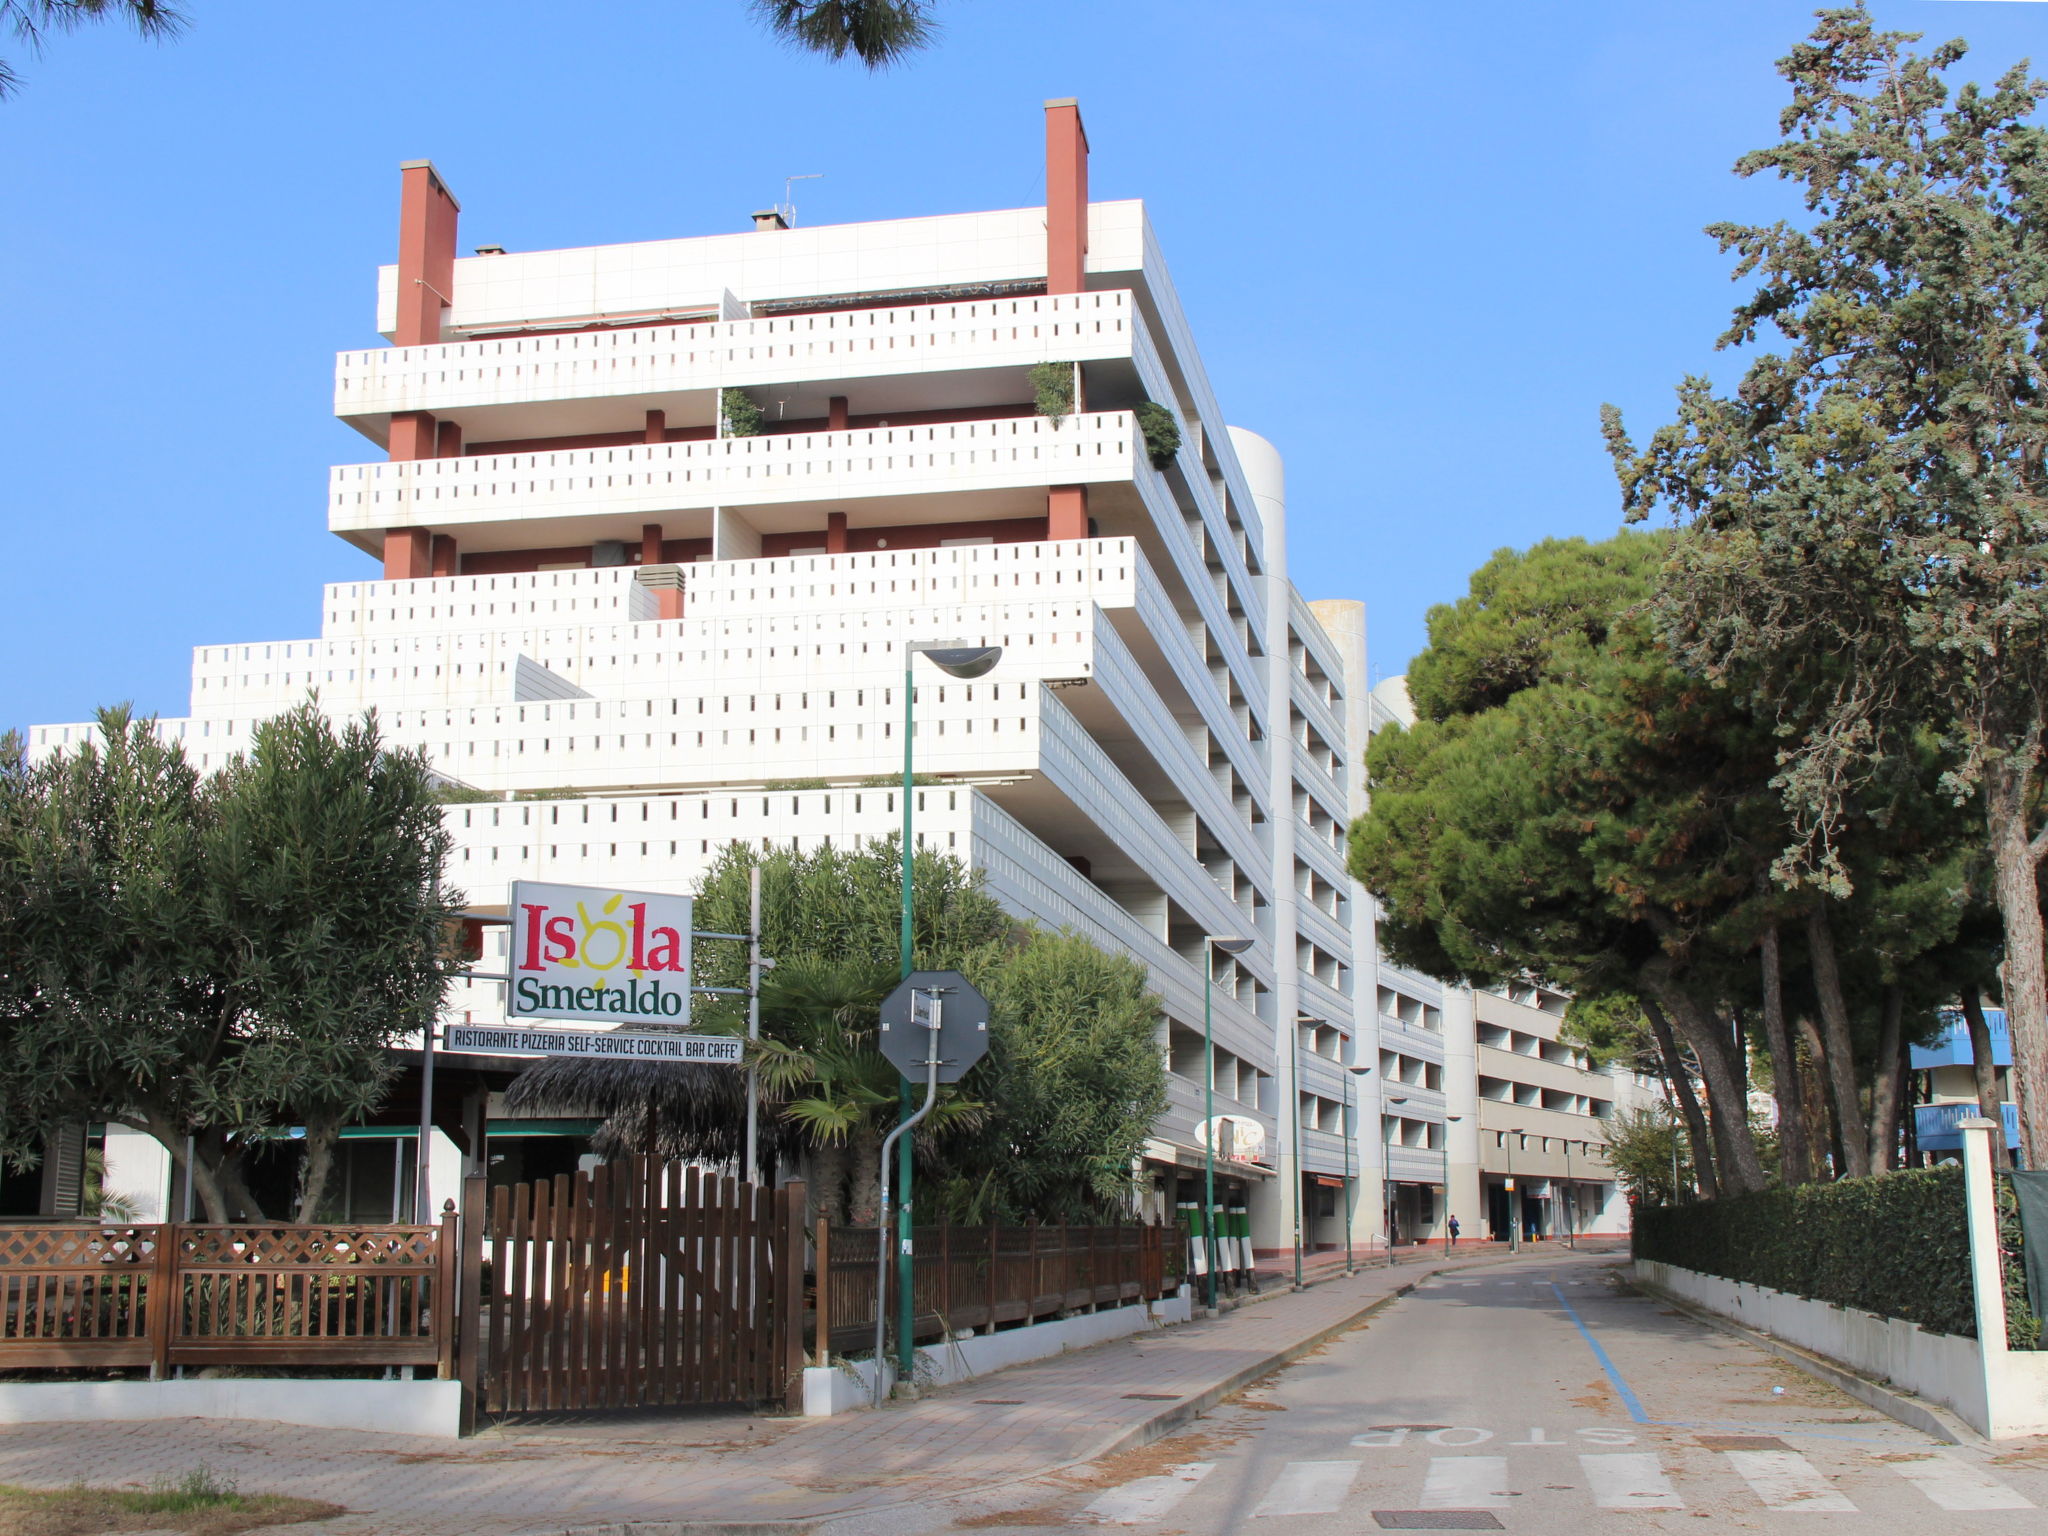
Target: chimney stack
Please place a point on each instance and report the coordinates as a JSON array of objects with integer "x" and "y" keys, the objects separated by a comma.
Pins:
[{"x": 770, "y": 218}]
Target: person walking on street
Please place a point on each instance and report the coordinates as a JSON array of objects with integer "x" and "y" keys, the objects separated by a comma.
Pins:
[{"x": 1454, "y": 1231}]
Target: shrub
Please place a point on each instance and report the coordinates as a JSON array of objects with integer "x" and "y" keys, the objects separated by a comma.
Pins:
[
  {"x": 1895, "y": 1244},
  {"x": 1162, "y": 433},
  {"x": 1053, "y": 386},
  {"x": 742, "y": 416}
]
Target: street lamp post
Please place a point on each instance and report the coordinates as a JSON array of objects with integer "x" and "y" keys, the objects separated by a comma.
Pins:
[
  {"x": 1301, "y": 1022},
  {"x": 1514, "y": 1195},
  {"x": 1212, "y": 944},
  {"x": 1350, "y": 1130},
  {"x": 1570, "y": 1202},
  {"x": 965, "y": 662},
  {"x": 1449, "y": 1121},
  {"x": 1351, "y": 1072},
  {"x": 1388, "y": 1197}
]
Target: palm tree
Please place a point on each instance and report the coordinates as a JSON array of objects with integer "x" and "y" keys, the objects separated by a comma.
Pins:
[
  {"x": 824, "y": 1077},
  {"x": 877, "y": 32},
  {"x": 668, "y": 1109},
  {"x": 825, "y": 1089},
  {"x": 34, "y": 20}
]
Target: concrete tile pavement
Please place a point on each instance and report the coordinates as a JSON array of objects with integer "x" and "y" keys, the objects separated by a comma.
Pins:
[{"x": 536, "y": 1480}]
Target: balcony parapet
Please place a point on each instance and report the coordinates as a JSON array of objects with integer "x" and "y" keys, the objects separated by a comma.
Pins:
[
  {"x": 468, "y": 376},
  {"x": 647, "y": 480}
]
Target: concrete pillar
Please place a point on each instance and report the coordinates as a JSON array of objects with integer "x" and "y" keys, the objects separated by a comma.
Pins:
[
  {"x": 427, "y": 213},
  {"x": 1267, "y": 477},
  {"x": 835, "y": 533},
  {"x": 444, "y": 557},
  {"x": 1987, "y": 1274},
  {"x": 408, "y": 553},
  {"x": 657, "y": 426},
  {"x": 733, "y": 537},
  {"x": 1066, "y": 512},
  {"x": 413, "y": 435},
  {"x": 1461, "y": 1098},
  {"x": 650, "y": 544},
  {"x": 835, "y": 414},
  {"x": 447, "y": 440},
  {"x": 1066, "y": 198}
]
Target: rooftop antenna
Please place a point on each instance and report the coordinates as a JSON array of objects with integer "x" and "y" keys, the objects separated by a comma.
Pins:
[{"x": 788, "y": 206}]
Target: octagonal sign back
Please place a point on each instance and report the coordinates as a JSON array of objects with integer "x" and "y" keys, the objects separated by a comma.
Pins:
[{"x": 943, "y": 997}]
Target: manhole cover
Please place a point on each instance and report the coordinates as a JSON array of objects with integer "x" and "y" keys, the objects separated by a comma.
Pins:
[
  {"x": 1437, "y": 1520},
  {"x": 1155, "y": 1397},
  {"x": 1743, "y": 1443}
]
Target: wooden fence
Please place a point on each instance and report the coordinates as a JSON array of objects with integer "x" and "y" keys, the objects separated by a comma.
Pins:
[
  {"x": 85, "y": 1296},
  {"x": 978, "y": 1277},
  {"x": 635, "y": 1284}
]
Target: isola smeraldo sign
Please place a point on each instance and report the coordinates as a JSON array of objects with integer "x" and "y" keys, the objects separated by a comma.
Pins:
[{"x": 597, "y": 955}]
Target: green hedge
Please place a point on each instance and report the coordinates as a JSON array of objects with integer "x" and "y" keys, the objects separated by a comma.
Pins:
[{"x": 1894, "y": 1244}]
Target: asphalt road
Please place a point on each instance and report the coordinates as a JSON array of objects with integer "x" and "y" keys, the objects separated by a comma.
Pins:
[{"x": 1544, "y": 1397}]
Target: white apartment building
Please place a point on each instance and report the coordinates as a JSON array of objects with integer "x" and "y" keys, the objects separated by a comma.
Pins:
[{"x": 593, "y": 590}]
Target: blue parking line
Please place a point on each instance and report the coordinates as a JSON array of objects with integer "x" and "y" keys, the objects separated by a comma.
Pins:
[
  {"x": 1637, "y": 1413},
  {"x": 1629, "y": 1400}
]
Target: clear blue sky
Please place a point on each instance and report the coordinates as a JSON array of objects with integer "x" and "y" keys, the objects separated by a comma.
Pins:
[{"x": 1420, "y": 244}]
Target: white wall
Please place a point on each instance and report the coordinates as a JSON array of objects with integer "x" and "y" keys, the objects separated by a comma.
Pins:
[{"x": 389, "y": 1407}]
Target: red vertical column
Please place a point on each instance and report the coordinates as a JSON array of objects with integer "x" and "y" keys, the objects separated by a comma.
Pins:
[
  {"x": 1066, "y": 267},
  {"x": 427, "y": 213},
  {"x": 445, "y": 561},
  {"x": 835, "y": 413},
  {"x": 447, "y": 440},
  {"x": 1066, "y": 512},
  {"x": 650, "y": 544},
  {"x": 657, "y": 427},
  {"x": 414, "y": 435},
  {"x": 835, "y": 533},
  {"x": 1066, "y": 198},
  {"x": 408, "y": 553}
]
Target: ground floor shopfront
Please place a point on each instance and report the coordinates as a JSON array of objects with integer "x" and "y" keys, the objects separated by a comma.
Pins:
[{"x": 1552, "y": 1208}]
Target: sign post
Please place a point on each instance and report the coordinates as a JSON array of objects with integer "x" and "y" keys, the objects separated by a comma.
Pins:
[{"x": 934, "y": 1026}]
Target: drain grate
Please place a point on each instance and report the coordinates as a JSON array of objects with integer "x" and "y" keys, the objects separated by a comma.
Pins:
[
  {"x": 1155, "y": 1397},
  {"x": 1742, "y": 1443},
  {"x": 1437, "y": 1520},
  {"x": 1001, "y": 1402}
]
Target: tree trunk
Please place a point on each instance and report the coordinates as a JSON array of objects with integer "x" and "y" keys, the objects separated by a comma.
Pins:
[
  {"x": 2026, "y": 989},
  {"x": 1795, "y": 1158},
  {"x": 1738, "y": 1168},
  {"x": 1984, "y": 1067},
  {"x": 1885, "y": 1086},
  {"x": 1838, "y": 1056},
  {"x": 864, "y": 1192},
  {"x": 1820, "y": 1119},
  {"x": 323, "y": 1136},
  {"x": 828, "y": 1187},
  {"x": 1688, "y": 1101},
  {"x": 224, "y": 1155},
  {"x": 213, "y": 1205}
]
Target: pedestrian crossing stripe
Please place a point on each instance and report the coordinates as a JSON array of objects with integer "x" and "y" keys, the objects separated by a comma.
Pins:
[{"x": 1780, "y": 1479}]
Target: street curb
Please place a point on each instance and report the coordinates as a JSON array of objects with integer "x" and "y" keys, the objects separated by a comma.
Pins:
[
  {"x": 1913, "y": 1412},
  {"x": 1169, "y": 1418}
]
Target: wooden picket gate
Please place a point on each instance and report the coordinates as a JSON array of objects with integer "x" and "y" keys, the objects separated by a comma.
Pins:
[{"x": 637, "y": 1284}]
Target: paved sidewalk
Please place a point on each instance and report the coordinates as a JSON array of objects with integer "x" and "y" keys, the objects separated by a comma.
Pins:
[{"x": 731, "y": 1469}]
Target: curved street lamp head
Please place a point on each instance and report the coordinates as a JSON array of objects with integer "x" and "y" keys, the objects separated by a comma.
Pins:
[
  {"x": 1228, "y": 944},
  {"x": 964, "y": 661}
]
